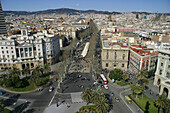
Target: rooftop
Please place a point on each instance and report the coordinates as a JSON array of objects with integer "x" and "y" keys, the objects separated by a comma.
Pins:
[{"x": 164, "y": 51}]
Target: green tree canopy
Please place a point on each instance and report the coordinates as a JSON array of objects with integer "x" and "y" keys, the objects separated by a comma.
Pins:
[
  {"x": 136, "y": 88},
  {"x": 161, "y": 103},
  {"x": 116, "y": 74}
]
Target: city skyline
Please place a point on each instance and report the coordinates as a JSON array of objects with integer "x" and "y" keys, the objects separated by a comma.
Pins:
[{"x": 152, "y": 6}]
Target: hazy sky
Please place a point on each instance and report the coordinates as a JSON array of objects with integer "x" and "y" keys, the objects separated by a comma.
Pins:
[{"x": 105, "y": 5}]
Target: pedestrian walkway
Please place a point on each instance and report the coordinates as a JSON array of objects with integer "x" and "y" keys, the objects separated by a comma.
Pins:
[
  {"x": 76, "y": 97},
  {"x": 63, "y": 108}
]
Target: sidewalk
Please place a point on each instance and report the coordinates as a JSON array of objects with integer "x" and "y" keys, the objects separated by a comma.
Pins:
[
  {"x": 4, "y": 89},
  {"x": 63, "y": 108}
]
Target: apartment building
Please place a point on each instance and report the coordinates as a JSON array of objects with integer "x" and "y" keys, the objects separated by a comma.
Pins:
[
  {"x": 114, "y": 55},
  {"x": 2, "y": 22},
  {"x": 162, "y": 74},
  {"x": 142, "y": 57},
  {"x": 28, "y": 50}
]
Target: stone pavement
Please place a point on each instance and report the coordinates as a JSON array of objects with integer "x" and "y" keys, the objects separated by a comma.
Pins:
[
  {"x": 63, "y": 108},
  {"x": 76, "y": 97}
]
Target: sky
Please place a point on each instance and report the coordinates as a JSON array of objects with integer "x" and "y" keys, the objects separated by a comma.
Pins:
[{"x": 153, "y": 6}]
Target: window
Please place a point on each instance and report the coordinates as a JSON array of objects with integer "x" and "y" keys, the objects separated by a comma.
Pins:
[
  {"x": 11, "y": 47},
  {"x": 143, "y": 64},
  {"x": 6, "y": 47},
  {"x": 12, "y": 52},
  {"x": 2, "y": 51},
  {"x": 168, "y": 66},
  {"x": 161, "y": 64},
  {"x": 107, "y": 64},
  {"x": 122, "y": 65},
  {"x": 2, "y": 48},
  {"x": 6, "y": 51},
  {"x": 160, "y": 72},
  {"x": 123, "y": 56},
  {"x": 115, "y": 55},
  {"x": 168, "y": 75},
  {"x": 24, "y": 32},
  {"x": 107, "y": 55},
  {"x": 7, "y": 56}
]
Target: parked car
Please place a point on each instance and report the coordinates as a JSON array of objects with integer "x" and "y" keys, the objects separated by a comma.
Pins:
[
  {"x": 111, "y": 93},
  {"x": 1, "y": 93},
  {"x": 55, "y": 79},
  {"x": 40, "y": 89},
  {"x": 106, "y": 87},
  {"x": 109, "y": 98},
  {"x": 50, "y": 89}
]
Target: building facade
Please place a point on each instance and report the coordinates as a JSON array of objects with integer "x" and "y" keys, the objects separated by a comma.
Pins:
[
  {"x": 141, "y": 57},
  {"x": 2, "y": 22},
  {"x": 28, "y": 51},
  {"x": 162, "y": 74},
  {"x": 114, "y": 55}
]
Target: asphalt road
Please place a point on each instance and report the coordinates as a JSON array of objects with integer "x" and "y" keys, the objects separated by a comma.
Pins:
[
  {"x": 118, "y": 107},
  {"x": 73, "y": 83}
]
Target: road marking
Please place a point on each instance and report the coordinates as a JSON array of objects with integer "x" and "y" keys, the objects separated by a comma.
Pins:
[
  {"x": 52, "y": 98},
  {"x": 126, "y": 102}
]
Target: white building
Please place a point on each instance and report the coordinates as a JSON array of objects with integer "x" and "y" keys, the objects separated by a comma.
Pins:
[{"x": 28, "y": 50}]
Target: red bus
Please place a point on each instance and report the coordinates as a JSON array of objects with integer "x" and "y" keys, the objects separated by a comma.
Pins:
[{"x": 103, "y": 78}]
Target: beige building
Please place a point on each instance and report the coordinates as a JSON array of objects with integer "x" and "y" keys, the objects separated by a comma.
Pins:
[
  {"x": 162, "y": 74},
  {"x": 114, "y": 55}
]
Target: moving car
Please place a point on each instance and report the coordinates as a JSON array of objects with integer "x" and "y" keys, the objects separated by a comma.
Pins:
[
  {"x": 117, "y": 99},
  {"x": 50, "y": 89},
  {"x": 106, "y": 87}
]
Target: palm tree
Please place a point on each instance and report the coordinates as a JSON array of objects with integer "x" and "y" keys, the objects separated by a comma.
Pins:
[
  {"x": 136, "y": 88},
  {"x": 87, "y": 95},
  {"x": 102, "y": 105},
  {"x": 26, "y": 71},
  {"x": 38, "y": 71},
  {"x": 14, "y": 72},
  {"x": 161, "y": 103},
  {"x": 145, "y": 82},
  {"x": 125, "y": 77},
  {"x": 96, "y": 94},
  {"x": 142, "y": 74},
  {"x": 167, "y": 108},
  {"x": 47, "y": 68},
  {"x": 34, "y": 77}
]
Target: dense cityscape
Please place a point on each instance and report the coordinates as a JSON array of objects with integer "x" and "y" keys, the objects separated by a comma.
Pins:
[{"x": 84, "y": 61}]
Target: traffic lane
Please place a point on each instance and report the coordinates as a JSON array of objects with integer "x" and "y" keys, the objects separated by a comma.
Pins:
[
  {"x": 132, "y": 105},
  {"x": 118, "y": 107},
  {"x": 75, "y": 84},
  {"x": 44, "y": 99}
]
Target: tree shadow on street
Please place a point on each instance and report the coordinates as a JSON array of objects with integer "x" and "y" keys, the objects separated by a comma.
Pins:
[
  {"x": 29, "y": 111},
  {"x": 147, "y": 107},
  {"x": 11, "y": 100},
  {"x": 21, "y": 107}
]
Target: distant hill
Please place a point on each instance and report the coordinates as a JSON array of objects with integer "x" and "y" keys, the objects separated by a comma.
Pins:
[
  {"x": 58, "y": 11},
  {"x": 65, "y": 11}
]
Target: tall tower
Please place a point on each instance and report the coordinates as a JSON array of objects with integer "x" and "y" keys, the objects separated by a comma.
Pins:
[{"x": 2, "y": 22}]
